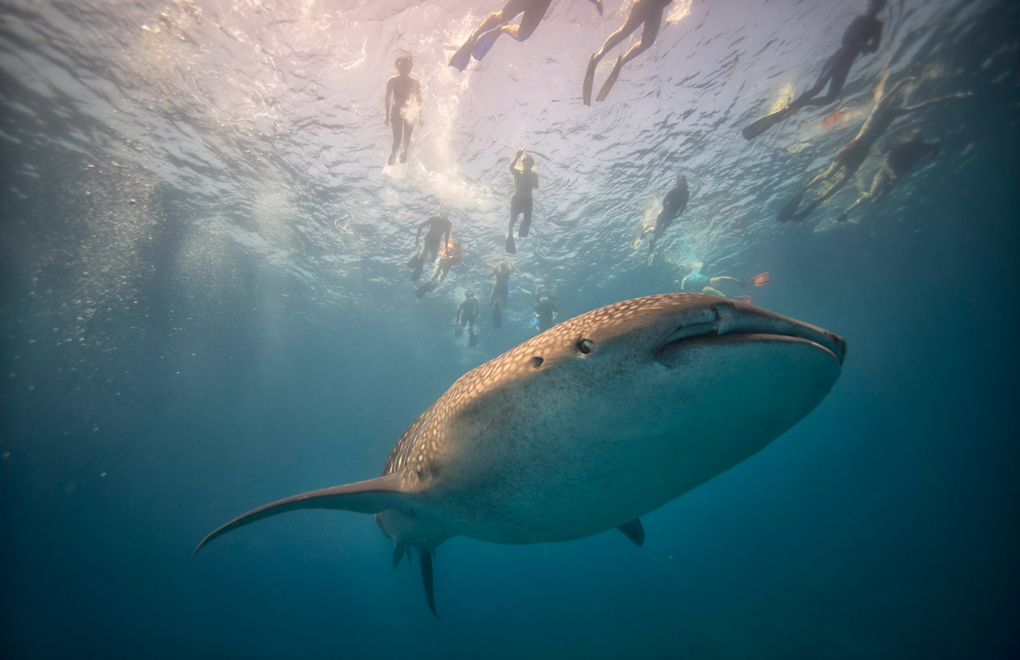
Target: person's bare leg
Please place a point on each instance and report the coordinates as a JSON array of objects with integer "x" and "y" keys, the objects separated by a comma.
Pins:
[
  {"x": 408, "y": 129},
  {"x": 397, "y": 123}
]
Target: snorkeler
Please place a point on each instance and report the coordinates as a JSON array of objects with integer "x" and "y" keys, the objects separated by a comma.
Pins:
[
  {"x": 525, "y": 180},
  {"x": 673, "y": 205},
  {"x": 449, "y": 257},
  {"x": 495, "y": 24},
  {"x": 863, "y": 36},
  {"x": 437, "y": 225},
  {"x": 466, "y": 315},
  {"x": 545, "y": 312},
  {"x": 648, "y": 12},
  {"x": 900, "y": 158},
  {"x": 500, "y": 291},
  {"x": 403, "y": 115},
  {"x": 886, "y": 111},
  {"x": 698, "y": 282}
]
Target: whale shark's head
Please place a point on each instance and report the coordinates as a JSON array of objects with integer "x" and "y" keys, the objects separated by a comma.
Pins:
[{"x": 649, "y": 397}]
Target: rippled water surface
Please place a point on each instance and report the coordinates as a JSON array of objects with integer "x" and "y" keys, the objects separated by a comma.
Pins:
[{"x": 205, "y": 307}]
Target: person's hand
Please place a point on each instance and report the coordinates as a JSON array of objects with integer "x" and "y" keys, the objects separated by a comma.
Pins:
[{"x": 520, "y": 152}]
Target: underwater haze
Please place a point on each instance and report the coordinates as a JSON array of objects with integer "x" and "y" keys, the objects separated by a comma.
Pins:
[{"x": 206, "y": 306}]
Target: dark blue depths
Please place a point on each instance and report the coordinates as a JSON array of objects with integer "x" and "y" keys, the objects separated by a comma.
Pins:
[{"x": 884, "y": 525}]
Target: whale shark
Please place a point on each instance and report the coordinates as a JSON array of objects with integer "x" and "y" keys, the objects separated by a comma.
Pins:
[{"x": 589, "y": 425}]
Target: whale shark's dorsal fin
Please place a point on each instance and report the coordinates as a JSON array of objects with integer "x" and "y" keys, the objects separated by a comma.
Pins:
[
  {"x": 425, "y": 559},
  {"x": 370, "y": 496},
  {"x": 634, "y": 531}
]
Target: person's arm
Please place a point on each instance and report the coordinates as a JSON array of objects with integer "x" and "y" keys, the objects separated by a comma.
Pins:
[
  {"x": 417, "y": 236},
  {"x": 930, "y": 102},
  {"x": 534, "y": 179},
  {"x": 494, "y": 270},
  {"x": 447, "y": 242},
  {"x": 421, "y": 108},
  {"x": 389, "y": 95},
  {"x": 513, "y": 163}
]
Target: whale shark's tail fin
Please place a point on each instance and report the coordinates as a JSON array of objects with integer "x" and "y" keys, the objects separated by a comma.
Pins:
[{"x": 370, "y": 496}]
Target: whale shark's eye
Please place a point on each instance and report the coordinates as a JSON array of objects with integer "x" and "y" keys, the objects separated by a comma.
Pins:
[
  {"x": 537, "y": 362},
  {"x": 585, "y": 346}
]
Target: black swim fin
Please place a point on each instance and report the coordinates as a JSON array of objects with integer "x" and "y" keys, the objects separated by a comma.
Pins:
[
  {"x": 611, "y": 80},
  {"x": 651, "y": 250},
  {"x": 511, "y": 247},
  {"x": 765, "y": 123},
  {"x": 428, "y": 287},
  {"x": 589, "y": 80},
  {"x": 462, "y": 57},
  {"x": 789, "y": 211},
  {"x": 419, "y": 267},
  {"x": 485, "y": 42},
  {"x": 497, "y": 317}
]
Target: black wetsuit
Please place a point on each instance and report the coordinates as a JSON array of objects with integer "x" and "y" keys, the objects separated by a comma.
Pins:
[
  {"x": 468, "y": 312},
  {"x": 438, "y": 226},
  {"x": 673, "y": 205},
  {"x": 544, "y": 311},
  {"x": 864, "y": 35}
]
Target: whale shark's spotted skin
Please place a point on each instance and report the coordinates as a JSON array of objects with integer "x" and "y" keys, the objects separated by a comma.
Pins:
[{"x": 590, "y": 425}]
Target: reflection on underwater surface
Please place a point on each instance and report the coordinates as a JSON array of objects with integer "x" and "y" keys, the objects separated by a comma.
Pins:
[{"x": 205, "y": 299}]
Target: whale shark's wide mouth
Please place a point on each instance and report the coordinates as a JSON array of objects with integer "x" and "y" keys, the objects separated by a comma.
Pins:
[{"x": 728, "y": 319}]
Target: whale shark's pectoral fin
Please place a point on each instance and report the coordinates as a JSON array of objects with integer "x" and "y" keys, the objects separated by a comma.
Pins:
[
  {"x": 634, "y": 531},
  {"x": 370, "y": 496},
  {"x": 425, "y": 559},
  {"x": 398, "y": 553}
]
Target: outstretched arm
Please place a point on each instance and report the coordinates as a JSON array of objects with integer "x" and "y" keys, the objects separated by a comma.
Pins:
[
  {"x": 417, "y": 236},
  {"x": 421, "y": 109},
  {"x": 513, "y": 163},
  {"x": 929, "y": 102},
  {"x": 386, "y": 102}
]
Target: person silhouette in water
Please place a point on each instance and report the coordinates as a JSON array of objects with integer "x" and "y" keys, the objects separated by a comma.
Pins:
[
  {"x": 525, "y": 180},
  {"x": 403, "y": 107},
  {"x": 545, "y": 312},
  {"x": 863, "y": 36},
  {"x": 466, "y": 315},
  {"x": 437, "y": 225},
  {"x": 900, "y": 158},
  {"x": 673, "y": 205},
  {"x": 497, "y": 23},
  {"x": 500, "y": 291},
  {"x": 450, "y": 256},
  {"x": 647, "y": 12},
  {"x": 888, "y": 108}
]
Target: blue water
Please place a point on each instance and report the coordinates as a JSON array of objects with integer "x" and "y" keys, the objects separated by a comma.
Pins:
[{"x": 204, "y": 308}]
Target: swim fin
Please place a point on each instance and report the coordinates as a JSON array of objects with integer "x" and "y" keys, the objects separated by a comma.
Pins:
[
  {"x": 743, "y": 299},
  {"x": 789, "y": 211},
  {"x": 765, "y": 123},
  {"x": 611, "y": 80},
  {"x": 760, "y": 279},
  {"x": 485, "y": 42},
  {"x": 589, "y": 80},
  {"x": 497, "y": 317},
  {"x": 419, "y": 267},
  {"x": 511, "y": 247},
  {"x": 462, "y": 57},
  {"x": 651, "y": 250},
  {"x": 428, "y": 287}
]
